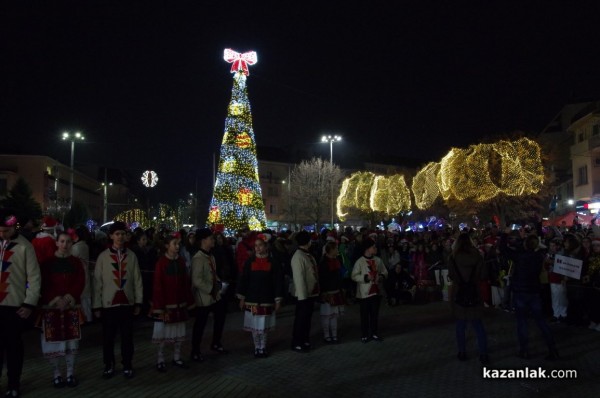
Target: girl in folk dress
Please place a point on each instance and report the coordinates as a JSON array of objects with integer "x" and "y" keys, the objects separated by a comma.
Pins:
[
  {"x": 260, "y": 290},
  {"x": 63, "y": 281},
  {"x": 332, "y": 306},
  {"x": 171, "y": 300}
]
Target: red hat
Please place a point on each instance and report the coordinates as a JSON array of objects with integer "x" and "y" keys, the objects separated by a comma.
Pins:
[{"x": 49, "y": 222}]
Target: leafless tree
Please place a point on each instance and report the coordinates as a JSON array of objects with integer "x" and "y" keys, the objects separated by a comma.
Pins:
[{"x": 313, "y": 182}]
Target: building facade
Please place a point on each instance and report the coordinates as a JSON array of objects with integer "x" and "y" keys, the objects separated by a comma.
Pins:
[{"x": 49, "y": 181}]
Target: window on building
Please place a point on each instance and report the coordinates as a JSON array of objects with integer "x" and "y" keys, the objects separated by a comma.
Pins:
[
  {"x": 271, "y": 209},
  {"x": 596, "y": 162},
  {"x": 596, "y": 129},
  {"x": 582, "y": 176},
  {"x": 580, "y": 137}
]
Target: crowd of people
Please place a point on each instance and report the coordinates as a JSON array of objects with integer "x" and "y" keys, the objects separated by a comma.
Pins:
[{"x": 52, "y": 280}]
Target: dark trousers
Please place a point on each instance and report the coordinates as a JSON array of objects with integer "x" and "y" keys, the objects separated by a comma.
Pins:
[
  {"x": 461, "y": 337},
  {"x": 302, "y": 320},
  {"x": 525, "y": 304},
  {"x": 218, "y": 310},
  {"x": 369, "y": 315},
  {"x": 117, "y": 319},
  {"x": 11, "y": 345}
]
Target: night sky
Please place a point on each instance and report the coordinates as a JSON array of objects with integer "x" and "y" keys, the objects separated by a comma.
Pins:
[{"x": 146, "y": 81}]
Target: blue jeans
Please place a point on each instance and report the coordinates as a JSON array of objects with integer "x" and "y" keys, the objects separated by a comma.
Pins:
[
  {"x": 461, "y": 340},
  {"x": 525, "y": 304}
]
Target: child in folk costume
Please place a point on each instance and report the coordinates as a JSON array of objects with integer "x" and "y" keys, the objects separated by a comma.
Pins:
[
  {"x": 63, "y": 281},
  {"x": 117, "y": 298},
  {"x": 171, "y": 300},
  {"x": 260, "y": 291},
  {"x": 367, "y": 272},
  {"x": 330, "y": 278}
]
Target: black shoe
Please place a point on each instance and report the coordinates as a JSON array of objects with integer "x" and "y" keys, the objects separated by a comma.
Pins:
[
  {"x": 299, "y": 348},
  {"x": 197, "y": 357},
  {"x": 377, "y": 338},
  {"x": 484, "y": 359},
  {"x": 462, "y": 356},
  {"x": 72, "y": 381},
  {"x": 219, "y": 348},
  {"x": 335, "y": 340},
  {"x": 128, "y": 373},
  {"x": 365, "y": 340},
  {"x": 108, "y": 373},
  {"x": 58, "y": 382},
  {"x": 12, "y": 393},
  {"x": 257, "y": 353},
  {"x": 180, "y": 364},
  {"x": 328, "y": 340},
  {"x": 161, "y": 367}
]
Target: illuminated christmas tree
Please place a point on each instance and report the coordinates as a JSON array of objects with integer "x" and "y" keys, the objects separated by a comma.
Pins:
[{"x": 237, "y": 198}]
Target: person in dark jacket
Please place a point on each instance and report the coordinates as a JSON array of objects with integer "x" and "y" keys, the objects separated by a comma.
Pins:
[
  {"x": 528, "y": 261},
  {"x": 260, "y": 291},
  {"x": 466, "y": 266}
]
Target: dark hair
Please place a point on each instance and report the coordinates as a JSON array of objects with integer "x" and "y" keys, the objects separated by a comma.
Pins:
[
  {"x": 166, "y": 239},
  {"x": 463, "y": 244},
  {"x": 63, "y": 233},
  {"x": 532, "y": 242},
  {"x": 302, "y": 238},
  {"x": 366, "y": 244},
  {"x": 138, "y": 234}
]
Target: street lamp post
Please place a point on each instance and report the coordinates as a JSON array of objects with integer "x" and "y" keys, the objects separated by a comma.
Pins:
[
  {"x": 331, "y": 139},
  {"x": 72, "y": 137},
  {"x": 105, "y": 186}
]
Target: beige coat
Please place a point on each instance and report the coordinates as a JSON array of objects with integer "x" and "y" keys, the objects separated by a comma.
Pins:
[
  {"x": 205, "y": 281},
  {"x": 110, "y": 280},
  {"x": 23, "y": 279},
  {"x": 305, "y": 274},
  {"x": 361, "y": 269}
]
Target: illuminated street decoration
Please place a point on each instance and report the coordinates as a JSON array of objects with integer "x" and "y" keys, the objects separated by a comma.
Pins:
[
  {"x": 355, "y": 193},
  {"x": 132, "y": 217},
  {"x": 479, "y": 173},
  {"x": 237, "y": 198},
  {"x": 239, "y": 62},
  {"x": 425, "y": 187},
  {"x": 389, "y": 195},
  {"x": 149, "y": 178},
  {"x": 484, "y": 171}
]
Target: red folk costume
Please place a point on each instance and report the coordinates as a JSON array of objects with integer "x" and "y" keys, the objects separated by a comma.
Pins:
[
  {"x": 62, "y": 277},
  {"x": 172, "y": 294}
]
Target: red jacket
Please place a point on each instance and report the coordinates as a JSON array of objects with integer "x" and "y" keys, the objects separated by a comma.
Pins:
[{"x": 61, "y": 277}]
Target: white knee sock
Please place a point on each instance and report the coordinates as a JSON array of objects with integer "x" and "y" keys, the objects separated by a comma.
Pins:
[
  {"x": 333, "y": 324},
  {"x": 54, "y": 362},
  {"x": 70, "y": 360},
  {"x": 177, "y": 351},
  {"x": 256, "y": 339}
]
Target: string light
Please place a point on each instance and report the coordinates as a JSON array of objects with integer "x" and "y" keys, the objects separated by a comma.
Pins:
[
  {"x": 425, "y": 187},
  {"x": 390, "y": 195},
  {"x": 479, "y": 172}
]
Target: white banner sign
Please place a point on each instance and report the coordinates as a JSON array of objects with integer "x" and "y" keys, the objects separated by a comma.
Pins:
[{"x": 567, "y": 266}]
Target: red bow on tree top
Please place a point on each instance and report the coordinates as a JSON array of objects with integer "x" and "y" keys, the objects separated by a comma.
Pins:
[{"x": 239, "y": 61}]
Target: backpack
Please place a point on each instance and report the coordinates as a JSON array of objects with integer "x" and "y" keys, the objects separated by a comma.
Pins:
[{"x": 467, "y": 294}]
